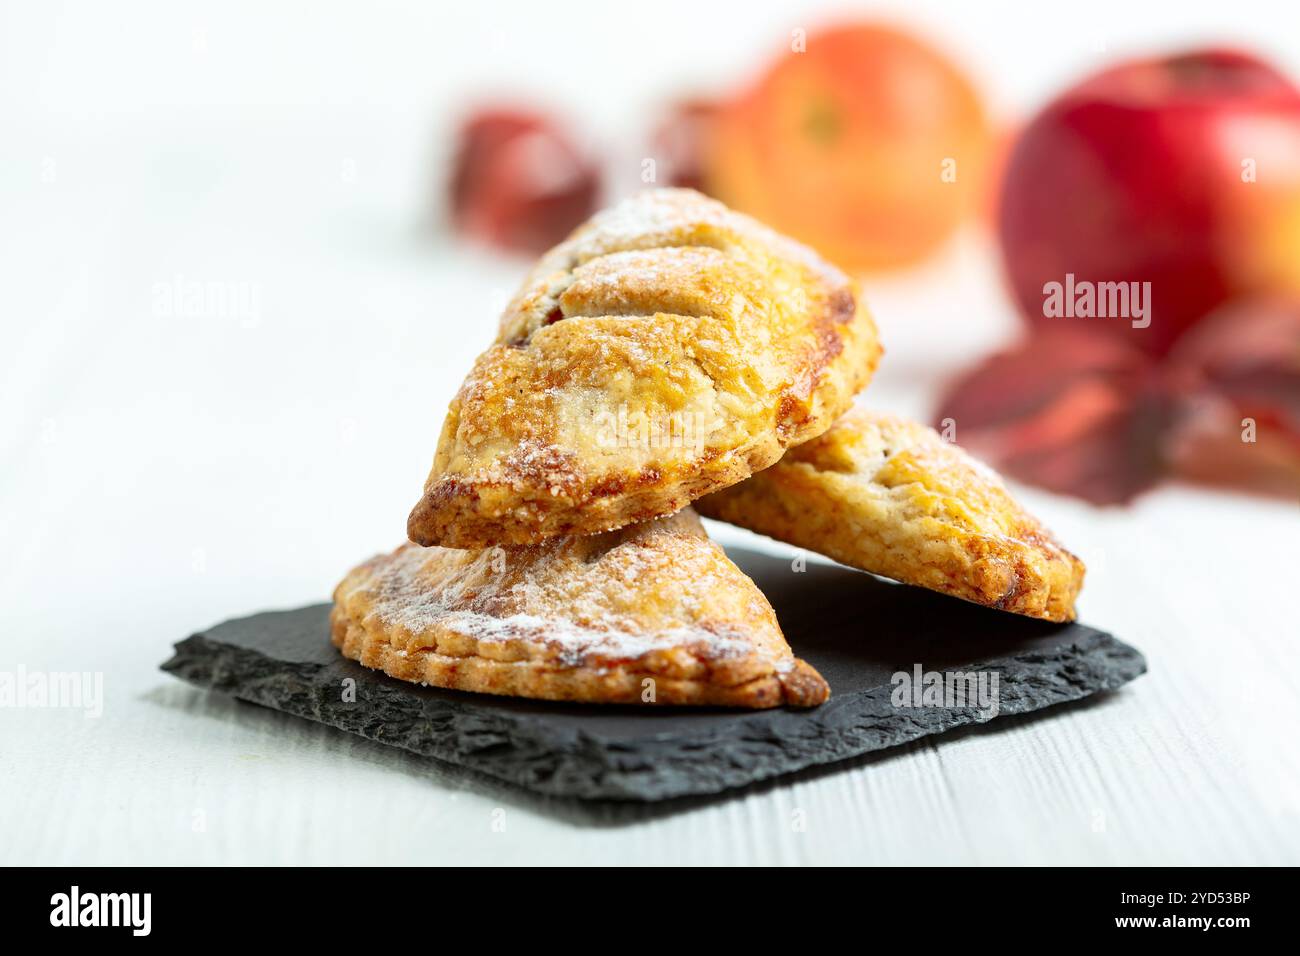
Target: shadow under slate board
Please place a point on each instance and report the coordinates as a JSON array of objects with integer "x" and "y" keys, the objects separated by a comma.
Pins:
[{"x": 857, "y": 630}]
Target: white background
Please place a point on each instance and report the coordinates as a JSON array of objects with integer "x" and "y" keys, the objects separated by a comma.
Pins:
[{"x": 158, "y": 473}]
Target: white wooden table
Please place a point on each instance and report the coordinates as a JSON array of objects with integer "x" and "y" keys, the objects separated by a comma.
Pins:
[{"x": 170, "y": 462}]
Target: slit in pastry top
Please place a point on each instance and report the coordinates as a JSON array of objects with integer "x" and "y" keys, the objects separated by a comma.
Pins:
[{"x": 670, "y": 347}]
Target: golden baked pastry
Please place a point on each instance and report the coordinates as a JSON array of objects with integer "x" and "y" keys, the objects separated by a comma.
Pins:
[
  {"x": 654, "y": 613},
  {"x": 668, "y": 348},
  {"x": 892, "y": 497}
]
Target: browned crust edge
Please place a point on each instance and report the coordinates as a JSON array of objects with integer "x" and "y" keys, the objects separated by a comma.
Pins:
[
  {"x": 790, "y": 511},
  {"x": 458, "y": 513},
  {"x": 798, "y": 686}
]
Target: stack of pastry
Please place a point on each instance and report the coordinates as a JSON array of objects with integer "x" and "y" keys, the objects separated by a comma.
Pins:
[{"x": 672, "y": 352}]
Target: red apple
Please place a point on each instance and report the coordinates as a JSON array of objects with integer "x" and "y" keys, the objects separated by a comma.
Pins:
[
  {"x": 519, "y": 181},
  {"x": 679, "y": 142},
  {"x": 1182, "y": 172}
]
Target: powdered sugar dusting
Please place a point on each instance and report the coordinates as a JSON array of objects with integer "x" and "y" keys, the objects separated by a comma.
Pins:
[
  {"x": 499, "y": 596},
  {"x": 659, "y": 217},
  {"x": 653, "y": 212}
]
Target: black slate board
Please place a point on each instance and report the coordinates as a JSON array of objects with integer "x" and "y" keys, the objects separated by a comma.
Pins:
[{"x": 854, "y": 628}]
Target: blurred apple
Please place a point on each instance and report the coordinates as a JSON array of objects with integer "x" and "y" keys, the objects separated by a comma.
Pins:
[
  {"x": 864, "y": 142},
  {"x": 519, "y": 181},
  {"x": 1183, "y": 172},
  {"x": 679, "y": 141}
]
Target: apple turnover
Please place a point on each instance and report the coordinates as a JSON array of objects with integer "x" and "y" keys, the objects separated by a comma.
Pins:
[
  {"x": 668, "y": 348},
  {"x": 892, "y": 497},
  {"x": 655, "y": 613}
]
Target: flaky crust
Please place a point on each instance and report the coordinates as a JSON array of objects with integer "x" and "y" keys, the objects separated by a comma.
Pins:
[
  {"x": 668, "y": 348},
  {"x": 892, "y": 497},
  {"x": 597, "y": 619}
]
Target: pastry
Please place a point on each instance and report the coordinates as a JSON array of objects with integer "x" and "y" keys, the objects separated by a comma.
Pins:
[
  {"x": 892, "y": 497},
  {"x": 654, "y": 613},
  {"x": 668, "y": 348}
]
